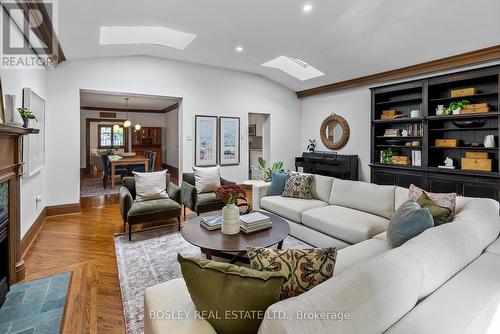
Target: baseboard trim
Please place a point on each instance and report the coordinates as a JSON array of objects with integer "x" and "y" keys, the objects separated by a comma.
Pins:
[
  {"x": 32, "y": 232},
  {"x": 63, "y": 209}
]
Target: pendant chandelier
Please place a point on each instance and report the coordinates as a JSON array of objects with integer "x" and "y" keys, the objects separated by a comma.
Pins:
[{"x": 127, "y": 123}]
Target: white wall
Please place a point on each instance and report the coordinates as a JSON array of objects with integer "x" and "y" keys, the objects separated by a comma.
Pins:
[
  {"x": 13, "y": 82},
  {"x": 354, "y": 106},
  {"x": 205, "y": 90},
  {"x": 172, "y": 138},
  {"x": 145, "y": 119}
]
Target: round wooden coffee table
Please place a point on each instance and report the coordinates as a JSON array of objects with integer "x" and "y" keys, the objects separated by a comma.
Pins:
[{"x": 233, "y": 247}]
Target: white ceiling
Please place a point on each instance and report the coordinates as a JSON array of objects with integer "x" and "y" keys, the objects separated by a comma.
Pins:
[
  {"x": 117, "y": 100},
  {"x": 342, "y": 38}
]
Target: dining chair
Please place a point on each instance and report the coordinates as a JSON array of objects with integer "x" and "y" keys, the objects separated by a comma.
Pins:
[
  {"x": 151, "y": 156},
  {"x": 106, "y": 167}
]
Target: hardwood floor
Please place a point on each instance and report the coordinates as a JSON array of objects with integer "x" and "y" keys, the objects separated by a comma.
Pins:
[{"x": 83, "y": 244}]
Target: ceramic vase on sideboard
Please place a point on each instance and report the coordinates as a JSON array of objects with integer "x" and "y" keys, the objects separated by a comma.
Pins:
[{"x": 230, "y": 219}]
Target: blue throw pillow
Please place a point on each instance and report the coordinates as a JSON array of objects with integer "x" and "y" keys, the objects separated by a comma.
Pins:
[
  {"x": 277, "y": 184},
  {"x": 408, "y": 221}
]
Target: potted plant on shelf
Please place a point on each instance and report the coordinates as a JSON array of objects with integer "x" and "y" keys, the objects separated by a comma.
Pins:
[
  {"x": 267, "y": 173},
  {"x": 230, "y": 194},
  {"x": 386, "y": 156},
  {"x": 26, "y": 116},
  {"x": 455, "y": 107},
  {"x": 312, "y": 145}
]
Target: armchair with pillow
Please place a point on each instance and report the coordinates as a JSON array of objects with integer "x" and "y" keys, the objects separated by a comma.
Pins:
[
  {"x": 149, "y": 197},
  {"x": 198, "y": 189}
]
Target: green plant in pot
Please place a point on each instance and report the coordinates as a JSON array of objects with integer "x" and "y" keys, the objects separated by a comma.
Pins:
[
  {"x": 26, "y": 116},
  {"x": 386, "y": 156},
  {"x": 455, "y": 107},
  {"x": 266, "y": 172}
]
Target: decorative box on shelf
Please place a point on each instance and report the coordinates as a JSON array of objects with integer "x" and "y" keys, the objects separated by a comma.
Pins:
[
  {"x": 401, "y": 160},
  {"x": 463, "y": 92},
  {"x": 476, "y": 155},
  {"x": 477, "y": 164},
  {"x": 475, "y": 108},
  {"x": 447, "y": 142},
  {"x": 388, "y": 114}
]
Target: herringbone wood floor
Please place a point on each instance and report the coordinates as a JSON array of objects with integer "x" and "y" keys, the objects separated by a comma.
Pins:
[{"x": 83, "y": 244}]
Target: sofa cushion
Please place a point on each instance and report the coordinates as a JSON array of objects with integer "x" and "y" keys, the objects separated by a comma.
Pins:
[
  {"x": 368, "y": 197},
  {"x": 150, "y": 185},
  {"x": 344, "y": 223},
  {"x": 153, "y": 210},
  {"x": 446, "y": 200},
  {"x": 277, "y": 184},
  {"x": 440, "y": 214},
  {"x": 218, "y": 288},
  {"x": 172, "y": 297},
  {"x": 375, "y": 294},
  {"x": 360, "y": 252},
  {"x": 298, "y": 186},
  {"x": 322, "y": 187},
  {"x": 400, "y": 196},
  {"x": 494, "y": 247},
  {"x": 408, "y": 221},
  {"x": 304, "y": 268},
  {"x": 290, "y": 208},
  {"x": 468, "y": 303},
  {"x": 206, "y": 179}
]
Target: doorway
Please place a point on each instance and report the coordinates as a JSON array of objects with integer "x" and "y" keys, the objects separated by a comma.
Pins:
[{"x": 258, "y": 142}]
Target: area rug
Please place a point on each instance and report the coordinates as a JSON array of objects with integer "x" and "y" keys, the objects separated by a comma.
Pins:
[
  {"x": 35, "y": 306},
  {"x": 93, "y": 187},
  {"x": 151, "y": 258}
]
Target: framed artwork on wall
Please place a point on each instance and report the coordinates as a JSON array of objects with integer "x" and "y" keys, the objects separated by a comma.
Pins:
[
  {"x": 205, "y": 141},
  {"x": 229, "y": 150},
  {"x": 34, "y": 146}
]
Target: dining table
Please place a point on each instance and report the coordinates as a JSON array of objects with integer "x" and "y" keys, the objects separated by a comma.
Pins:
[{"x": 127, "y": 161}]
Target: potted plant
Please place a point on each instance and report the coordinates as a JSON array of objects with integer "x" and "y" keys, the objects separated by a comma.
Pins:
[
  {"x": 312, "y": 145},
  {"x": 386, "y": 156},
  {"x": 455, "y": 107},
  {"x": 229, "y": 194},
  {"x": 26, "y": 116},
  {"x": 267, "y": 173}
]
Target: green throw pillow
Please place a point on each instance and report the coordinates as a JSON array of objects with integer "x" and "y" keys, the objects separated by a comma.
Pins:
[
  {"x": 232, "y": 299},
  {"x": 440, "y": 214}
]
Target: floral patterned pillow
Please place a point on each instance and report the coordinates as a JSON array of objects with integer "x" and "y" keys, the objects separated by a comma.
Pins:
[
  {"x": 445, "y": 200},
  {"x": 304, "y": 268},
  {"x": 298, "y": 186}
]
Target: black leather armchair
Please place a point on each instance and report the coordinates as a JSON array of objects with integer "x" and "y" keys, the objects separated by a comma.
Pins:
[
  {"x": 134, "y": 212},
  {"x": 199, "y": 203}
]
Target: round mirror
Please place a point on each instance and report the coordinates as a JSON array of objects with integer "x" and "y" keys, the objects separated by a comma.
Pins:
[{"x": 334, "y": 132}]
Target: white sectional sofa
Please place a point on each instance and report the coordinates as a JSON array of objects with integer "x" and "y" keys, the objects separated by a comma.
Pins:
[
  {"x": 340, "y": 214},
  {"x": 446, "y": 280}
]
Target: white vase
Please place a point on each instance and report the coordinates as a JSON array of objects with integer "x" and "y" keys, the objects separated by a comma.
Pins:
[
  {"x": 457, "y": 111},
  {"x": 230, "y": 219},
  {"x": 489, "y": 141}
]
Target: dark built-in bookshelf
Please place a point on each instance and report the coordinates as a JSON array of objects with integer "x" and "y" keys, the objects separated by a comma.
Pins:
[{"x": 425, "y": 95}]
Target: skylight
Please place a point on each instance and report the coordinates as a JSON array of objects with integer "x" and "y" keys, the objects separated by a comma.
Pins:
[
  {"x": 294, "y": 67},
  {"x": 145, "y": 35}
]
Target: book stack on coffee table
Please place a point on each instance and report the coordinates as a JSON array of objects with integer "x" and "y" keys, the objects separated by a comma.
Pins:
[
  {"x": 211, "y": 223},
  {"x": 254, "y": 222}
]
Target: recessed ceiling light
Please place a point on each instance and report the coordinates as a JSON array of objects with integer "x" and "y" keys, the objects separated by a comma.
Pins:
[
  {"x": 239, "y": 48},
  {"x": 307, "y": 8},
  {"x": 294, "y": 67},
  {"x": 145, "y": 35}
]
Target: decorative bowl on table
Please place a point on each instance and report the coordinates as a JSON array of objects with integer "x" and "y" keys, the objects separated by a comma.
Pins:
[{"x": 127, "y": 154}]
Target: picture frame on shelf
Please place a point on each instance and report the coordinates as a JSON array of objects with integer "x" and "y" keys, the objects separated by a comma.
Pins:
[
  {"x": 229, "y": 143},
  {"x": 205, "y": 141}
]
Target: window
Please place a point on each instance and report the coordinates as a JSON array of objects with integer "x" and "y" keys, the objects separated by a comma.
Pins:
[{"x": 109, "y": 138}]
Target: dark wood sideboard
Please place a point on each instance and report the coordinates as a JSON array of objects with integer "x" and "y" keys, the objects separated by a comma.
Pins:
[{"x": 329, "y": 164}]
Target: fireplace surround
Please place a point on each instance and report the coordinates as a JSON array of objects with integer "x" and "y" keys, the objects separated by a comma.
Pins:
[{"x": 11, "y": 170}]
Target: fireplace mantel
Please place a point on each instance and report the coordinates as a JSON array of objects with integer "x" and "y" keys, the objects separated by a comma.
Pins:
[{"x": 11, "y": 170}]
